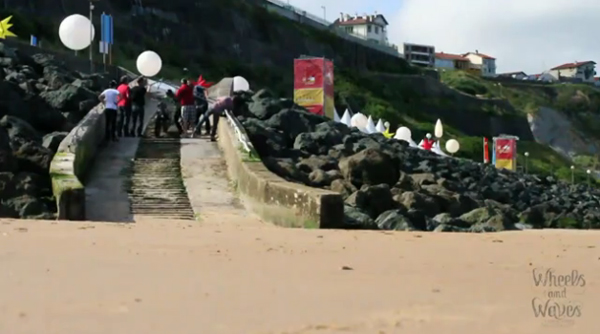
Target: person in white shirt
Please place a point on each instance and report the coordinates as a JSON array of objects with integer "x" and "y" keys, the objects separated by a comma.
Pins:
[{"x": 110, "y": 98}]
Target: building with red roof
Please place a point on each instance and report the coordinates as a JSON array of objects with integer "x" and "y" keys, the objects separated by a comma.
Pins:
[{"x": 583, "y": 71}]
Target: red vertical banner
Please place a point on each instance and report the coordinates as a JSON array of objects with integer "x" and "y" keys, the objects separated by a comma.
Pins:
[
  {"x": 486, "y": 151},
  {"x": 328, "y": 82},
  {"x": 505, "y": 149},
  {"x": 308, "y": 84}
]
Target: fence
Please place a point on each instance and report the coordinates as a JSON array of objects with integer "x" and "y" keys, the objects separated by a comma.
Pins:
[{"x": 296, "y": 14}]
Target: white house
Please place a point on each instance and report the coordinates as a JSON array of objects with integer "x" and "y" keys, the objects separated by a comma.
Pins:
[
  {"x": 419, "y": 55},
  {"x": 369, "y": 27},
  {"x": 585, "y": 71},
  {"x": 485, "y": 63}
]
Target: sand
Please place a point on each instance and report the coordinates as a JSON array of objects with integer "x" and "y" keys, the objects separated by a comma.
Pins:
[{"x": 230, "y": 274}]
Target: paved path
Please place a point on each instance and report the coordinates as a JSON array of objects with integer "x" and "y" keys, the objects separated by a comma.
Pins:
[
  {"x": 205, "y": 176},
  {"x": 106, "y": 196}
]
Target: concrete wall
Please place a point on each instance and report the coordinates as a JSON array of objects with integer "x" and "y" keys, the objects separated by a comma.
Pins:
[
  {"x": 271, "y": 197},
  {"x": 274, "y": 199},
  {"x": 72, "y": 161}
]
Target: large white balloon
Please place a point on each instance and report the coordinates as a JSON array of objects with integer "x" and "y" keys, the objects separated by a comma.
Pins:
[
  {"x": 149, "y": 63},
  {"x": 403, "y": 133},
  {"x": 240, "y": 84},
  {"x": 380, "y": 127},
  {"x": 452, "y": 146},
  {"x": 439, "y": 129},
  {"x": 346, "y": 119},
  {"x": 74, "y": 32},
  {"x": 359, "y": 121}
]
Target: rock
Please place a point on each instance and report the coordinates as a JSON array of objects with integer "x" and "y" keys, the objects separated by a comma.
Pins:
[
  {"x": 394, "y": 220},
  {"x": 419, "y": 201},
  {"x": 67, "y": 97},
  {"x": 293, "y": 122},
  {"x": 8, "y": 162},
  {"x": 373, "y": 200},
  {"x": 487, "y": 219},
  {"x": 33, "y": 157},
  {"x": 18, "y": 128},
  {"x": 267, "y": 141},
  {"x": 354, "y": 219},
  {"x": 52, "y": 140},
  {"x": 343, "y": 187},
  {"x": 417, "y": 189},
  {"x": 369, "y": 167}
]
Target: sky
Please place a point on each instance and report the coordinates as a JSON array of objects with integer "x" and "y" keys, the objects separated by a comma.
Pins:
[{"x": 523, "y": 35}]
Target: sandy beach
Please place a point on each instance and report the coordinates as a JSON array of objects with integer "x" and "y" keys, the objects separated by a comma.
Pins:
[{"x": 226, "y": 274}]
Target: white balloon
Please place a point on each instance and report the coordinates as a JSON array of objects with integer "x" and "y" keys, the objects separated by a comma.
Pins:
[
  {"x": 359, "y": 121},
  {"x": 240, "y": 84},
  {"x": 370, "y": 125},
  {"x": 74, "y": 32},
  {"x": 380, "y": 127},
  {"x": 346, "y": 119},
  {"x": 403, "y": 133},
  {"x": 439, "y": 129},
  {"x": 336, "y": 117},
  {"x": 452, "y": 146},
  {"x": 149, "y": 63}
]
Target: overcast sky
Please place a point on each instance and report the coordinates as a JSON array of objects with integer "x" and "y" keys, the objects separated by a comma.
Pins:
[{"x": 524, "y": 35}]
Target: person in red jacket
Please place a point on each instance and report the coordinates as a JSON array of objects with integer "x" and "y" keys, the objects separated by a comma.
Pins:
[
  {"x": 124, "y": 106},
  {"x": 428, "y": 142},
  {"x": 185, "y": 96}
]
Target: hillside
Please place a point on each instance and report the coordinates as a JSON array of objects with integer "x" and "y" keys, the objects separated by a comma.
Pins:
[{"x": 230, "y": 37}]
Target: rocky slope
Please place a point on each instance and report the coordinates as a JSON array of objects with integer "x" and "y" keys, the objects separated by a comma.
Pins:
[
  {"x": 40, "y": 102},
  {"x": 387, "y": 185}
]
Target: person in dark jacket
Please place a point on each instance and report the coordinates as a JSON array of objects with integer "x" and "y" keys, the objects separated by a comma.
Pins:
[
  {"x": 201, "y": 104},
  {"x": 161, "y": 119},
  {"x": 137, "y": 95}
]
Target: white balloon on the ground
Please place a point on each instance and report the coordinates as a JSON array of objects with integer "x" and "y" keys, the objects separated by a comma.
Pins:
[
  {"x": 370, "y": 125},
  {"x": 452, "y": 146},
  {"x": 439, "y": 129},
  {"x": 336, "y": 116},
  {"x": 346, "y": 119},
  {"x": 387, "y": 125},
  {"x": 240, "y": 84},
  {"x": 403, "y": 133},
  {"x": 359, "y": 121},
  {"x": 149, "y": 63},
  {"x": 74, "y": 32},
  {"x": 380, "y": 127}
]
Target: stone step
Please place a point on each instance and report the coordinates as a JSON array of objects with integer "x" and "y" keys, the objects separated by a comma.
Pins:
[{"x": 155, "y": 185}]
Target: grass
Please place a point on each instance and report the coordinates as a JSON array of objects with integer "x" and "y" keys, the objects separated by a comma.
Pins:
[{"x": 400, "y": 102}]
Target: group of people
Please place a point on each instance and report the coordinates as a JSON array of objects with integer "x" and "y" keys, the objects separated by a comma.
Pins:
[{"x": 125, "y": 109}]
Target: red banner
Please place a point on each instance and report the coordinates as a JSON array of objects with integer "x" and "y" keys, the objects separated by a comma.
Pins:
[
  {"x": 310, "y": 84},
  {"x": 486, "y": 151},
  {"x": 328, "y": 81},
  {"x": 308, "y": 73},
  {"x": 504, "y": 149}
]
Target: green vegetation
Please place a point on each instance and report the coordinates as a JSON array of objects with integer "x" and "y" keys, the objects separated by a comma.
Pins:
[{"x": 405, "y": 98}]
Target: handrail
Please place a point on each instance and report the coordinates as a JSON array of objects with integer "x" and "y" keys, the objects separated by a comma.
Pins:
[{"x": 240, "y": 133}]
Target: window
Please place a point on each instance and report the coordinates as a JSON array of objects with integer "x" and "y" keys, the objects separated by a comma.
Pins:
[
  {"x": 377, "y": 30},
  {"x": 350, "y": 29},
  {"x": 368, "y": 28}
]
